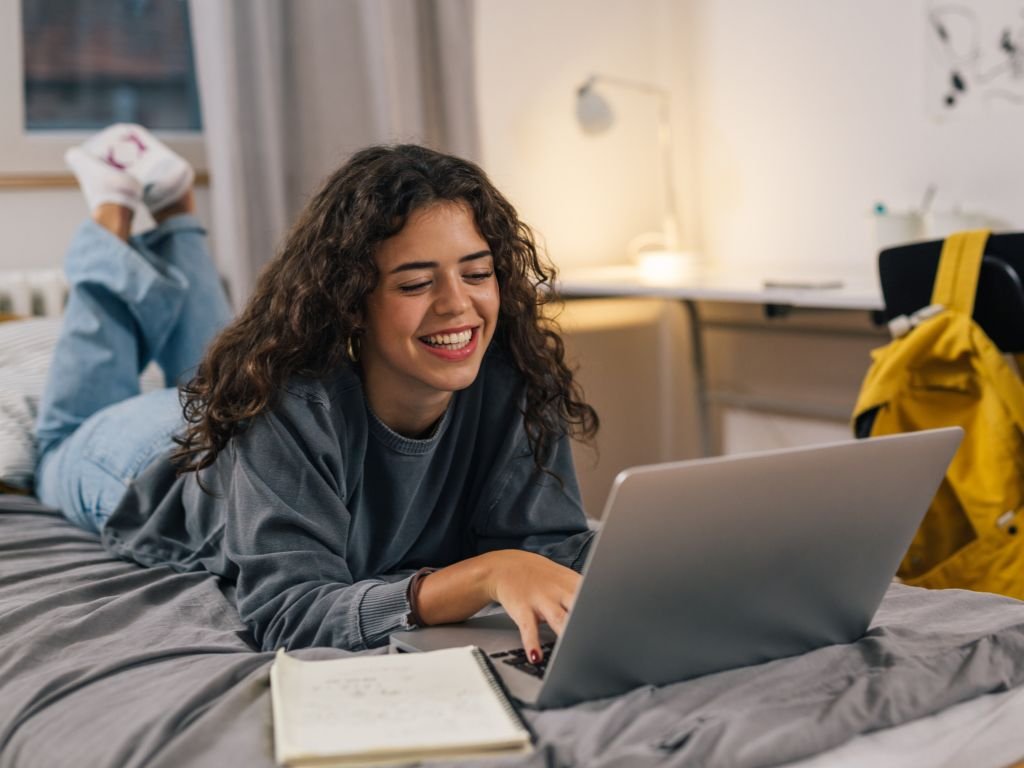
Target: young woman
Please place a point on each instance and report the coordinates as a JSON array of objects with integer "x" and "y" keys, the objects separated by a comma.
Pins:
[{"x": 379, "y": 441}]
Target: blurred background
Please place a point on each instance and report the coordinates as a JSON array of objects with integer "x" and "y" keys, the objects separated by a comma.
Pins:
[{"x": 803, "y": 134}]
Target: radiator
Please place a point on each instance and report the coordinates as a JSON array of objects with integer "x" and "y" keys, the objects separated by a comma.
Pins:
[{"x": 40, "y": 292}]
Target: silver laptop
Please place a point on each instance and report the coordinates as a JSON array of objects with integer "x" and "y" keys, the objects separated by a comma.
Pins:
[{"x": 706, "y": 565}]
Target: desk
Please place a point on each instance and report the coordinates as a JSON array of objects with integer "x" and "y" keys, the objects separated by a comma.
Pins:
[{"x": 859, "y": 292}]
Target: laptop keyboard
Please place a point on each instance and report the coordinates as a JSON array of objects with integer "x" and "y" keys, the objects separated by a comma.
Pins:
[{"x": 516, "y": 657}]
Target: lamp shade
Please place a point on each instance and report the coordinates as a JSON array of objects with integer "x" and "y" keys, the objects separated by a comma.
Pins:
[{"x": 593, "y": 112}]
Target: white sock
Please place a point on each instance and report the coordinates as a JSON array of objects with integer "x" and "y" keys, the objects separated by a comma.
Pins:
[
  {"x": 164, "y": 175},
  {"x": 102, "y": 183}
]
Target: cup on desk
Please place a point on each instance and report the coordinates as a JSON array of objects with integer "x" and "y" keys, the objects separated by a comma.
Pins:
[
  {"x": 896, "y": 228},
  {"x": 941, "y": 224}
]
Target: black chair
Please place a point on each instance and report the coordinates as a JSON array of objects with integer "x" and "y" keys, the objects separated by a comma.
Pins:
[{"x": 907, "y": 274}]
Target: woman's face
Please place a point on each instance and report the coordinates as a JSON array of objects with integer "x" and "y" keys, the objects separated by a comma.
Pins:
[{"x": 431, "y": 316}]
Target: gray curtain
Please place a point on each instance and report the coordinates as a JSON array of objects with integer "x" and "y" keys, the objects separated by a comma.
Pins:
[{"x": 290, "y": 88}]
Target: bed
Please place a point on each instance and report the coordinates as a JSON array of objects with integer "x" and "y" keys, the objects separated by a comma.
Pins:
[{"x": 105, "y": 663}]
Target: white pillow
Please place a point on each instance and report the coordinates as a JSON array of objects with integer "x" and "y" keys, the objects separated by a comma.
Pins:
[{"x": 26, "y": 347}]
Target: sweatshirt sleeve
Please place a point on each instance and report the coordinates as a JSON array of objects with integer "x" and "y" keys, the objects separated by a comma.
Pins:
[
  {"x": 286, "y": 532},
  {"x": 533, "y": 510}
]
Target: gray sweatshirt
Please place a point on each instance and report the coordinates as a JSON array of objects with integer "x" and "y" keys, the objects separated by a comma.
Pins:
[{"x": 320, "y": 513}]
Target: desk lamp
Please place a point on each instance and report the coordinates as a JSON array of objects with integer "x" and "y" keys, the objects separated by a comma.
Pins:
[{"x": 657, "y": 253}]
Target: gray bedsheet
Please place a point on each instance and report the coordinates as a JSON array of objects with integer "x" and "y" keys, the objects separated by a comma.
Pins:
[{"x": 103, "y": 663}]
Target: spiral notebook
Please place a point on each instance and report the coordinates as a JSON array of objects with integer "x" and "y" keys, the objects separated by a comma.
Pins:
[{"x": 375, "y": 710}]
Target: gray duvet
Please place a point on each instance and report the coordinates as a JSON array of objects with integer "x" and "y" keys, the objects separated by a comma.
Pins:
[{"x": 104, "y": 663}]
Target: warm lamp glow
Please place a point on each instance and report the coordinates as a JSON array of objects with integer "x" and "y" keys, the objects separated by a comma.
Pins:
[{"x": 667, "y": 266}]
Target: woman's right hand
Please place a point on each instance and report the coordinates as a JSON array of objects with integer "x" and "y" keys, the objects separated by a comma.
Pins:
[{"x": 530, "y": 587}]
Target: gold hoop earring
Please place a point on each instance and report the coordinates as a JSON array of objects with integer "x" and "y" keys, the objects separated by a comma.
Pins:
[{"x": 352, "y": 349}]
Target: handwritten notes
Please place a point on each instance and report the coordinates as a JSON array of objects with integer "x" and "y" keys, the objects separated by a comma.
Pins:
[{"x": 405, "y": 705}]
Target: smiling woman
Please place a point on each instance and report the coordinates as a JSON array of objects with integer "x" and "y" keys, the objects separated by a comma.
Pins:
[
  {"x": 431, "y": 317},
  {"x": 379, "y": 441}
]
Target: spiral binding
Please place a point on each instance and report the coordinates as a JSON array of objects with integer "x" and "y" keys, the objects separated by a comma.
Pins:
[{"x": 496, "y": 685}]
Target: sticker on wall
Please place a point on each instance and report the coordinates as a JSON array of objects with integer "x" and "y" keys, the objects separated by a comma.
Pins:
[{"x": 975, "y": 56}]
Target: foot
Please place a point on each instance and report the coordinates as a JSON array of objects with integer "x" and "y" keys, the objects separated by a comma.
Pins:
[
  {"x": 101, "y": 183},
  {"x": 165, "y": 177}
]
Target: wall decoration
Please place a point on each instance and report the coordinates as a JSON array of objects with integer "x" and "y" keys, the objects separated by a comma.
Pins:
[{"x": 975, "y": 55}]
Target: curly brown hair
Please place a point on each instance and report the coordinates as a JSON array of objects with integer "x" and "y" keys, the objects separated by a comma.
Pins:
[{"x": 308, "y": 302}]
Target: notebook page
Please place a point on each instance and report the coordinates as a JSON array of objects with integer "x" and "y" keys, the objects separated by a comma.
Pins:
[{"x": 381, "y": 704}]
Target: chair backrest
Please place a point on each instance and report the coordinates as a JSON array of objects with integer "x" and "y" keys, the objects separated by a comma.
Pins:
[{"x": 907, "y": 274}]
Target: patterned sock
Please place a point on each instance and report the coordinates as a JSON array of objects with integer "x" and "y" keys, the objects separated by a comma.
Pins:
[
  {"x": 102, "y": 183},
  {"x": 164, "y": 175}
]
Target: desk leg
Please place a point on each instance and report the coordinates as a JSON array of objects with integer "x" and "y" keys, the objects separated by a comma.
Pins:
[{"x": 700, "y": 377}]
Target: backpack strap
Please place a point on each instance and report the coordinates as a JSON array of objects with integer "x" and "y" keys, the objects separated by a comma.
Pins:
[{"x": 956, "y": 281}]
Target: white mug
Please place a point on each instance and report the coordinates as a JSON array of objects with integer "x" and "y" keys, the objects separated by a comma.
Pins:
[
  {"x": 892, "y": 228},
  {"x": 941, "y": 224}
]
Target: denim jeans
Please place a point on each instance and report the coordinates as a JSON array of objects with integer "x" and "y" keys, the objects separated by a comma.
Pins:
[{"x": 157, "y": 297}]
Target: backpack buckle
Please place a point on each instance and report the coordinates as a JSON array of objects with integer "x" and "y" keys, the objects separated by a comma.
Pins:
[{"x": 901, "y": 325}]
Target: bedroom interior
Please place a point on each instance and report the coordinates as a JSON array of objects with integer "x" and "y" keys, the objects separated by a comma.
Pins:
[{"x": 801, "y": 131}]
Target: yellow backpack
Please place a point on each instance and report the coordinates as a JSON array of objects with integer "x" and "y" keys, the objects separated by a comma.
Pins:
[{"x": 942, "y": 370}]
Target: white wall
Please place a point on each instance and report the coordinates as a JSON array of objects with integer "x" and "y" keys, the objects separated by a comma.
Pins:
[
  {"x": 586, "y": 195},
  {"x": 38, "y": 225},
  {"x": 808, "y": 112},
  {"x": 792, "y": 118}
]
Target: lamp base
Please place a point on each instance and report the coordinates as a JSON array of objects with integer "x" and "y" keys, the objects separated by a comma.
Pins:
[{"x": 668, "y": 266}]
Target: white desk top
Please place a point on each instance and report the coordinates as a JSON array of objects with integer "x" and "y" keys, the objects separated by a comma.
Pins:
[{"x": 862, "y": 292}]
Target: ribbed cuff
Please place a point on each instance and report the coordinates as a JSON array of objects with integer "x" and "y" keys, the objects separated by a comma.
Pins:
[
  {"x": 384, "y": 609},
  {"x": 581, "y": 556}
]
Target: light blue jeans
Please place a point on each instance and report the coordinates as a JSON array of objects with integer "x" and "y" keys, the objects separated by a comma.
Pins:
[{"x": 157, "y": 297}]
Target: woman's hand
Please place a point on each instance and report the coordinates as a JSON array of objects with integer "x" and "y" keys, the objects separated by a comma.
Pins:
[{"x": 530, "y": 587}]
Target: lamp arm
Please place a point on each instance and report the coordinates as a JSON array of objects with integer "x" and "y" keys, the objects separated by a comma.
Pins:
[
  {"x": 623, "y": 82},
  {"x": 670, "y": 222}
]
